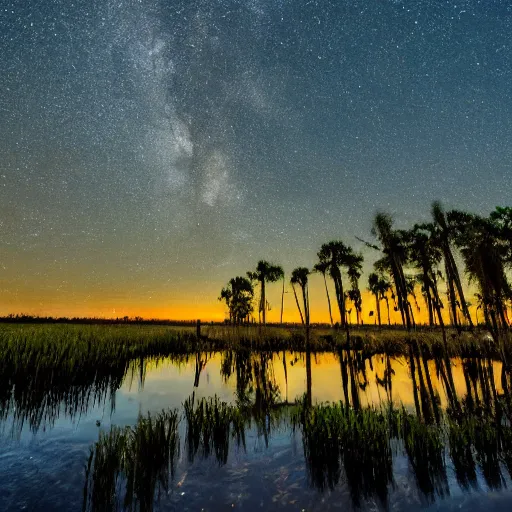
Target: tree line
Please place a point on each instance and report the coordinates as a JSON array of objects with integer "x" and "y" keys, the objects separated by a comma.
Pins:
[{"x": 419, "y": 258}]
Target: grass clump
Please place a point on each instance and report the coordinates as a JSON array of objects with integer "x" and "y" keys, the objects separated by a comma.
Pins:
[{"x": 138, "y": 459}]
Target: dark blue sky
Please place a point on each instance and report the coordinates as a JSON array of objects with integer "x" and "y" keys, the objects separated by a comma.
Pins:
[{"x": 155, "y": 149}]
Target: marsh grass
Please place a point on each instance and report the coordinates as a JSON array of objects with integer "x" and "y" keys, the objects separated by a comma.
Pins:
[
  {"x": 49, "y": 369},
  {"x": 137, "y": 460}
]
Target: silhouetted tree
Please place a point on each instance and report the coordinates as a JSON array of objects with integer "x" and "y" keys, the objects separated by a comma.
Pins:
[
  {"x": 395, "y": 257},
  {"x": 443, "y": 234},
  {"x": 424, "y": 254},
  {"x": 354, "y": 271},
  {"x": 238, "y": 296},
  {"x": 501, "y": 223},
  {"x": 265, "y": 273},
  {"x": 323, "y": 268},
  {"x": 300, "y": 277},
  {"x": 484, "y": 258},
  {"x": 336, "y": 255}
]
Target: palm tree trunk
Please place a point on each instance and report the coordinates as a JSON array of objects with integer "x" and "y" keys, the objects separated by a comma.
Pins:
[
  {"x": 297, "y": 302},
  {"x": 282, "y": 302},
  {"x": 305, "y": 301},
  {"x": 263, "y": 303},
  {"x": 412, "y": 314},
  {"x": 328, "y": 298},
  {"x": 460, "y": 291},
  {"x": 377, "y": 306},
  {"x": 340, "y": 297},
  {"x": 427, "y": 286},
  {"x": 452, "y": 299},
  {"x": 401, "y": 291},
  {"x": 387, "y": 304},
  {"x": 437, "y": 306},
  {"x": 308, "y": 318}
]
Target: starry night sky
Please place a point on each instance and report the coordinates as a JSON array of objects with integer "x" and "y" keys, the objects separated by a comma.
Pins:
[{"x": 150, "y": 150}]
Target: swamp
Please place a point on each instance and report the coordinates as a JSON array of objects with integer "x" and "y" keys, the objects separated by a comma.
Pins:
[{"x": 136, "y": 417}]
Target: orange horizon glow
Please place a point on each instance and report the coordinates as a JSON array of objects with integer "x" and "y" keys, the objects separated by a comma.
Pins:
[{"x": 206, "y": 306}]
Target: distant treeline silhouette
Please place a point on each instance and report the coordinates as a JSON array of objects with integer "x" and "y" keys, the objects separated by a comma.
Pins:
[{"x": 23, "y": 318}]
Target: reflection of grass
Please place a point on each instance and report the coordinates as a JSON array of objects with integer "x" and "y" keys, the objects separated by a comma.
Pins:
[
  {"x": 138, "y": 459},
  {"x": 209, "y": 425},
  {"x": 44, "y": 367},
  {"x": 340, "y": 442},
  {"x": 337, "y": 436},
  {"x": 357, "y": 443},
  {"x": 424, "y": 445}
]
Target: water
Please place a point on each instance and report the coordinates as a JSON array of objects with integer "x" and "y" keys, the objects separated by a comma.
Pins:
[{"x": 47, "y": 433}]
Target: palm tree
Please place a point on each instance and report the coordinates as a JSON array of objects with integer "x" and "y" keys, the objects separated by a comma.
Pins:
[
  {"x": 394, "y": 261},
  {"x": 322, "y": 268},
  {"x": 336, "y": 255},
  {"x": 410, "y": 282},
  {"x": 354, "y": 270},
  {"x": 238, "y": 295},
  {"x": 444, "y": 235},
  {"x": 300, "y": 277},
  {"x": 484, "y": 258},
  {"x": 425, "y": 255},
  {"x": 384, "y": 284},
  {"x": 501, "y": 223},
  {"x": 265, "y": 273}
]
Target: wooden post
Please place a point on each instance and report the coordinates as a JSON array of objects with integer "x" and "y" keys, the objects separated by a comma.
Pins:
[{"x": 198, "y": 329}]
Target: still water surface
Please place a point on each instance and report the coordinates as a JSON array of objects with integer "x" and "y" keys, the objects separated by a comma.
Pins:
[{"x": 45, "y": 442}]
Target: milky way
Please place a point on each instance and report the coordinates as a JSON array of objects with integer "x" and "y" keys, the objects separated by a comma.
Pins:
[{"x": 151, "y": 149}]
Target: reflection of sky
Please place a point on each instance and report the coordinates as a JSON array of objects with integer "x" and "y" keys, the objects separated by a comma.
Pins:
[
  {"x": 151, "y": 150},
  {"x": 46, "y": 471},
  {"x": 169, "y": 386}
]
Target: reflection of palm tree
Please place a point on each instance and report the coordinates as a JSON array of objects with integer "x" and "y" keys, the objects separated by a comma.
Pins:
[
  {"x": 309, "y": 381},
  {"x": 265, "y": 273},
  {"x": 322, "y": 267},
  {"x": 200, "y": 365}
]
